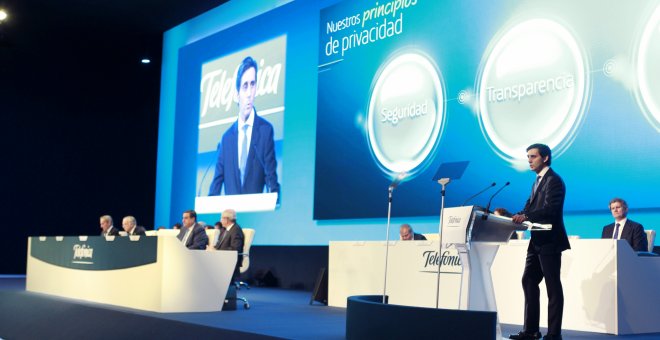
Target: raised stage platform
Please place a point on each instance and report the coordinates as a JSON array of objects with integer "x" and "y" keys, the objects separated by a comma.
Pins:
[{"x": 274, "y": 313}]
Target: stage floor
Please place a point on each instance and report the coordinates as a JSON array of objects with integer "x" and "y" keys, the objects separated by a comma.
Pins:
[{"x": 274, "y": 313}]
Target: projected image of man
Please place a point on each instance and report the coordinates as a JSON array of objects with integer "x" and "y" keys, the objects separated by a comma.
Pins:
[{"x": 246, "y": 161}]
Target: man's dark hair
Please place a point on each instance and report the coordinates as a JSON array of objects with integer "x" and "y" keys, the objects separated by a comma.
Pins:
[
  {"x": 246, "y": 64},
  {"x": 192, "y": 214},
  {"x": 544, "y": 151},
  {"x": 623, "y": 202}
]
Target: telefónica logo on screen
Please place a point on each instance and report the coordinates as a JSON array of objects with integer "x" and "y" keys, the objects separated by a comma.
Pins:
[{"x": 406, "y": 113}]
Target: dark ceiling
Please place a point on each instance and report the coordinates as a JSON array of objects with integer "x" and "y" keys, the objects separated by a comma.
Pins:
[{"x": 79, "y": 114}]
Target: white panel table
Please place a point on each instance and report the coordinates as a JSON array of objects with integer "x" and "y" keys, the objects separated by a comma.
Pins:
[{"x": 179, "y": 280}]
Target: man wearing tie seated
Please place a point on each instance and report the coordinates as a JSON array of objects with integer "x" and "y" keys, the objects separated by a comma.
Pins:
[
  {"x": 107, "y": 229},
  {"x": 406, "y": 233},
  {"x": 192, "y": 234},
  {"x": 623, "y": 228},
  {"x": 231, "y": 238},
  {"x": 130, "y": 226}
]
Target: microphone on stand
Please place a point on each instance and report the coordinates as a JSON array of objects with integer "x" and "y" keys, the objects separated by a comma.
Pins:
[
  {"x": 397, "y": 180},
  {"x": 495, "y": 194},
  {"x": 479, "y": 193}
]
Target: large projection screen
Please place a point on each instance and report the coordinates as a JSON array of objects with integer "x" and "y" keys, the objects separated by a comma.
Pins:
[{"x": 374, "y": 89}]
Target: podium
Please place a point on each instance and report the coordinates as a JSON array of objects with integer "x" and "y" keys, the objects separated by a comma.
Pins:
[{"x": 477, "y": 236}]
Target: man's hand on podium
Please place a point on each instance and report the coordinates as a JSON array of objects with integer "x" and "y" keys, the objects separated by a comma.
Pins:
[{"x": 519, "y": 218}]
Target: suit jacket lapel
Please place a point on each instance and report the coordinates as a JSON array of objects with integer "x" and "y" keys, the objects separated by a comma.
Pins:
[
  {"x": 190, "y": 237},
  {"x": 253, "y": 141},
  {"x": 626, "y": 232},
  {"x": 540, "y": 188},
  {"x": 234, "y": 153}
]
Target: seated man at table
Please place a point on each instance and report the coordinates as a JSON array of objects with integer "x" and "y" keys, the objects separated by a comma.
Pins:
[
  {"x": 192, "y": 234},
  {"x": 406, "y": 233},
  {"x": 624, "y": 228},
  {"x": 130, "y": 226},
  {"x": 107, "y": 229},
  {"x": 231, "y": 238}
]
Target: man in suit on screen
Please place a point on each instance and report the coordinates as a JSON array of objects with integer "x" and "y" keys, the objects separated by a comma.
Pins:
[
  {"x": 545, "y": 206},
  {"x": 246, "y": 153},
  {"x": 624, "y": 228},
  {"x": 192, "y": 234}
]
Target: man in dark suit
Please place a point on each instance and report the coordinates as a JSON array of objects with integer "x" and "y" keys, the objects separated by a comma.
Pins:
[
  {"x": 545, "y": 206},
  {"x": 130, "y": 226},
  {"x": 231, "y": 238},
  {"x": 246, "y": 153},
  {"x": 192, "y": 234},
  {"x": 406, "y": 233},
  {"x": 623, "y": 228},
  {"x": 107, "y": 228}
]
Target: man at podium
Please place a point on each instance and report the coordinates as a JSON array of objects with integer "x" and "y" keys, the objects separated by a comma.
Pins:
[{"x": 544, "y": 206}]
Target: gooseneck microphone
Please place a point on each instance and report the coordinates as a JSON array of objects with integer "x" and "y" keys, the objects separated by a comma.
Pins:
[
  {"x": 495, "y": 194},
  {"x": 479, "y": 193}
]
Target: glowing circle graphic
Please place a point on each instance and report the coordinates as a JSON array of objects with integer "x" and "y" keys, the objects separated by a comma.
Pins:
[
  {"x": 648, "y": 70},
  {"x": 406, "y": 114},
  {"x": 533, "y": 87}
]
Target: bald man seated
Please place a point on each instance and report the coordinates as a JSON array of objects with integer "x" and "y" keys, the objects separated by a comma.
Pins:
[{"x": 406, "y": 233}]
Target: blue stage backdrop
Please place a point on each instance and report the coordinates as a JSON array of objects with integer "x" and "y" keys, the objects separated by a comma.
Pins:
[{"x": 369, "y": 90}]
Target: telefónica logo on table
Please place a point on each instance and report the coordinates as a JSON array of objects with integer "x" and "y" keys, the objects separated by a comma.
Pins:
[
  {"x": 406, "y": 113},
  {"x": 81, "y": 252}
]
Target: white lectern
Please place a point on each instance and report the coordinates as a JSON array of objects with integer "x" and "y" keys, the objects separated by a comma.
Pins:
[{"x": 477, "y": 237}]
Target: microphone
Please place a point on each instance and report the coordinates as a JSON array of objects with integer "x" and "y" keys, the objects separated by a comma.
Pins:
[
  {"x": 479, "y": 193},
  {"x": 397, "y": 180},
  {"x": 495, "y": 194},
  {"x": 208, "y": 168}
]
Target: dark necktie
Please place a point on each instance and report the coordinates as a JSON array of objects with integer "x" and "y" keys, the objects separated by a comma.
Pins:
[
  {"x": 536, "y": 185},
  {"x": 616, "y": 231},
  {"x": 223, "y": 232}
]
